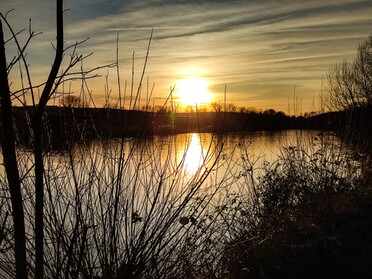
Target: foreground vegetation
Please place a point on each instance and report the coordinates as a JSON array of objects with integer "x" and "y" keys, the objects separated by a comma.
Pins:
[
  {"x": 125, "y": 209},
  {"x": 310, "y": 218}
]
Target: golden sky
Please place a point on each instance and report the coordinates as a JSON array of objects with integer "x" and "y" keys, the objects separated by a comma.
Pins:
[{"x": 260, "y": 49}]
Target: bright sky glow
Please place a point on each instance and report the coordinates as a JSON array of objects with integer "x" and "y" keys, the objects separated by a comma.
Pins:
[
  {"x": 193, "y": 91},
  {"x": 260, "y": 49}
]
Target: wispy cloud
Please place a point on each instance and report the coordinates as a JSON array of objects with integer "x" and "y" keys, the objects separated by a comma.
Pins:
[{"x": 261, "y": 49}]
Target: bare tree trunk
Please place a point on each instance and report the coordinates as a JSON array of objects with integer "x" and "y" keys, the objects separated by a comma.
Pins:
[
  {"x": 38, "y": 146},
  {"x": 39, "y": 197},
  {"x": 11, "y": 168}
]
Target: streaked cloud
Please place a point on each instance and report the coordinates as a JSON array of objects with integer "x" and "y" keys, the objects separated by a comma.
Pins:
[{"x": 260, "y": 49}]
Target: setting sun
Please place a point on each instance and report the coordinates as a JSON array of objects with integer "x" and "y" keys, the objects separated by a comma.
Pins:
[{"x": 193, "y": 91}]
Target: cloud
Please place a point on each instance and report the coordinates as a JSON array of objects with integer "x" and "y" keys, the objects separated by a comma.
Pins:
[{"x": 260, "y": 48}]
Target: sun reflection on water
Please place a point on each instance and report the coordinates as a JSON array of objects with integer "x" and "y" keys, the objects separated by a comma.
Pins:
[{"x": 194, "y": 157}]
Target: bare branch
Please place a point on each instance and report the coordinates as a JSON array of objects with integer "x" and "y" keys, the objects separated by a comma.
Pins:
[
  {"x": 77, "y": 43},
  {"x": 16, "y": 34},
  {"x": 22, "y": 56},
  {"x": 8, "y": 12}
]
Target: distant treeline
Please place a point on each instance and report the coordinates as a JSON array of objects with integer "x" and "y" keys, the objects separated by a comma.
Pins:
[
  {"x": 64, "y": 123},
  {"x": 353, "y": 125}
]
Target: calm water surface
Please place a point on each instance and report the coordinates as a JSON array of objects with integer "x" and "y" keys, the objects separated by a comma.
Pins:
[
  {"x": 188, "y": 155},
  {"x": 182, "y": 158}
]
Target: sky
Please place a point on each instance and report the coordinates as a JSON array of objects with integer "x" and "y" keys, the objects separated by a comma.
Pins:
[{"x": 261, "y": 50}]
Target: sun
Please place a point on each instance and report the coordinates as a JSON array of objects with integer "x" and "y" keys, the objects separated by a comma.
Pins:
[{"x": 193, "y": 91}]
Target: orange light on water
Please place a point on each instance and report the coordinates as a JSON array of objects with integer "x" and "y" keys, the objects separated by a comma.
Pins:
[{"x": 194, "y": 157}]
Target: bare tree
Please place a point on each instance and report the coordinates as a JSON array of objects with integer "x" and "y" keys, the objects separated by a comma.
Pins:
[
  {"x": 231, "y": 107},
  {"x": 10, "y": 161},
  {"x": 37, "y": 126},
  {"x": 36, "y": 111},
  {"x": 72, "y": 102},
  {"x": 363, "y": 69},
  {"x": 216, "y": 106},
  {"x": 349, "y": 84}
]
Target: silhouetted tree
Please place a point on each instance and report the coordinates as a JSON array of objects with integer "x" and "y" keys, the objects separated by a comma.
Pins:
[
  {"x": 363, "y": 68},
  {"x": 231, "y": 107},
  {"x": 243, "y": 110},
  {"x": 7, "y": 135},
  {"x": 73, "y": 102},
  {"x": 269, "y": 112},
  {"x": 7, "y": 138},
  {"x": 216, "y": 106},
  {"x": 349, "y": 85}
]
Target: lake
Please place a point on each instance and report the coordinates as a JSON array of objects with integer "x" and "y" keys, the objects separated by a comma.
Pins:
[
  {"x": 186, "y": 155},
  {"x": 182, "y": 158}
]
